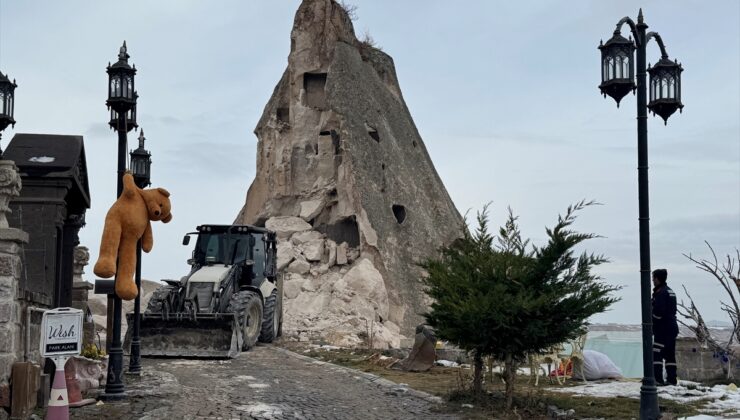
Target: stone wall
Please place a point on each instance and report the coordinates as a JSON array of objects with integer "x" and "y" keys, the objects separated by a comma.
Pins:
[
  {"x": 11, "y": 311},
  {"x": 696, "y": 363}
]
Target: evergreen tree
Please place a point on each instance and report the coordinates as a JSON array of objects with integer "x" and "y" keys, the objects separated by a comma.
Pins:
[{"x": 498, "y": 296}]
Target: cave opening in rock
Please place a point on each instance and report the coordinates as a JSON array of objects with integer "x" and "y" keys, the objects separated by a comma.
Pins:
[
  {"x": 335, "y": 141},
  {"x": 399, "y": 212},
  {"x": 314, "y": 84},
  {"x": 344, "y": 230},
  {"x": 283, "y": 115},
  {"x": 372, "y": 132}
]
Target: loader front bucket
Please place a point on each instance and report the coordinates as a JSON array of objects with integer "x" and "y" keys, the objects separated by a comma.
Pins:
[{"x": 207, "y": 336}]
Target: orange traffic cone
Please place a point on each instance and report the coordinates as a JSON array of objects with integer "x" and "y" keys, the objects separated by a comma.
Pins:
[{"x": 58, "y": 400}]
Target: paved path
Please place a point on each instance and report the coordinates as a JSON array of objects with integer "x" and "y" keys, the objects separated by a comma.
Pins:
[{"x": 264, "y": 383}]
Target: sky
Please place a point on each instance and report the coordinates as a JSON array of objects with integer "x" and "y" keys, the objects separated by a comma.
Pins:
[{"x": 504, "y": 95}]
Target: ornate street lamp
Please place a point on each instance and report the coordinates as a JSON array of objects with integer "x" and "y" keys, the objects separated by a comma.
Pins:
[
  {"x": 130, "y": 119},
  {"x": 7, "y": 104},
  {"x": 141, "y": 162},
  {"x": 122, "y": 99},
  {"x": 617, "y": 67},
  {"x": 617, "y": 79},
  {"x": 121, "y": 88},
  {"x": 665, "y": 88}
]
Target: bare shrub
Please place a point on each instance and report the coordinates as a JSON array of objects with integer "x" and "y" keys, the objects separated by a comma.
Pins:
[
  {"x": 728, "y": 275},
  {"x": 350, "y": 9}
]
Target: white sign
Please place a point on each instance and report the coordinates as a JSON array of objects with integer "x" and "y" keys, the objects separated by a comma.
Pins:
[{"x": 61, "y": 332}]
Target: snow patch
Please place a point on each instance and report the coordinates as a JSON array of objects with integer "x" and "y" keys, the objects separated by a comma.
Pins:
[
  {"x": 717, "y": 399},
  {"x": 42, "y": 159},
  {"x": 260, "y": 409}
]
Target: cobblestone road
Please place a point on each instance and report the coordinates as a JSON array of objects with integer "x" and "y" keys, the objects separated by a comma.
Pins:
[{"x": 264, "y": 383}]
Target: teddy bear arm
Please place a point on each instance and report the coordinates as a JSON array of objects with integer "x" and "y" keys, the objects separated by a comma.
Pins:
[{"x": 129, "y": 186}]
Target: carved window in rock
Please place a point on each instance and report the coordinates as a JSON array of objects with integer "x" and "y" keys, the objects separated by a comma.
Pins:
[
  {"x": 399, "y": 212},
  {"x": 372, "y": 132},
  {"x": 315, "y": 86},
  {"x": 283, "y": 115}
]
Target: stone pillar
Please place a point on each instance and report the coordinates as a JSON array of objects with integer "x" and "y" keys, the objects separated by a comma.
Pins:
[
  {"x": 11, "y": 269},
  {"x": 80, "y": 289},
  {"x": 70, "y": 239}
]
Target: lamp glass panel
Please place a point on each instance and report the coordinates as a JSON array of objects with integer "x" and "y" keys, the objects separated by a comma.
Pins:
[
  {"x": 625, "y": 67},
  {"x": 2, "y": 103},
  {"x": 129, "y": 87},
  {"x": 609, "y": 68},
  {"x": 663, "y": 88}
]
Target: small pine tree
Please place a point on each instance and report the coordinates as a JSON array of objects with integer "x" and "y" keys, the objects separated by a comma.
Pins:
[{"x": 498, "y": 296}]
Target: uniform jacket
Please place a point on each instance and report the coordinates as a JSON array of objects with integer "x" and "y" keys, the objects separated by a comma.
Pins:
[{"x": 664, "y": 312}]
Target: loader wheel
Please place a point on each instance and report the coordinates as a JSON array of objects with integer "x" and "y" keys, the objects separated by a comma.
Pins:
[
  {"x": 247, "y": 305},
  {"x": 271, "y": 321}
]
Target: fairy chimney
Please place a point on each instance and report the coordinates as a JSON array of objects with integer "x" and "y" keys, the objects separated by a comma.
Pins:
[{"x": 344, "y": 177}]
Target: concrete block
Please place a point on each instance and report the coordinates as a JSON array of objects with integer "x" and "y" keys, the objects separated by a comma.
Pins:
[
  {"x": 8, "y": 265},
  {"x": 9, "y": 247},
  {"x": 8, "y": 311},
  {"x": 13, "y": 235},
  {"x": 6, "y": 366},
  {"x": 8, "y": 339}
]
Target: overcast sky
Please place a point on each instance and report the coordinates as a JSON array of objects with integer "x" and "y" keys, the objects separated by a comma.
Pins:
[{"x": 504, "y": 94}]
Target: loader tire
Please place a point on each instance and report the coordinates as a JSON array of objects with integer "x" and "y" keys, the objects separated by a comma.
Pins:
[
  {"x": 247, "y": 307},
  {"x": 271, "y": 319},
  {"x": 155, "y": 301}
]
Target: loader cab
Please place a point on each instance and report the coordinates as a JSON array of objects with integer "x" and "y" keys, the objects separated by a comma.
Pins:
[{"x": 241, "y": 246}]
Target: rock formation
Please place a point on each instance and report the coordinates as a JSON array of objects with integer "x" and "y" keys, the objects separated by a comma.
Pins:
[{"x": 344, "y": 178}]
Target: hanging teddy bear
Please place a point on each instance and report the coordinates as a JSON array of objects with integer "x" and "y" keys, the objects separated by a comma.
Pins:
[{"x": 128, "y": 220}]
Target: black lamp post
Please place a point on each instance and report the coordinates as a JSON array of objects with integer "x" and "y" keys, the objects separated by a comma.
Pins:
[
  {"x": 617, "y": 79},
  {"x": 7, "y": 105},
  {"x": 122, "y": 98},
  {"x": 141, "y": 162}
]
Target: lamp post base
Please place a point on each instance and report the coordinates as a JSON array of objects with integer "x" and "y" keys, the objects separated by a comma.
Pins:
[
  {"x": 649, "y": 400},
  {"x": 112, "y": 397},
  {"x": 114, "y": 386}
]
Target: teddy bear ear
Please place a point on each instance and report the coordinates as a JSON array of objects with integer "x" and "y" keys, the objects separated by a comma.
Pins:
[{"x": 163, "y": 192}]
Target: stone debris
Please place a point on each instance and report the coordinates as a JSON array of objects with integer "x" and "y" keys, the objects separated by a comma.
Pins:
[
  {"x": 423, "y": 354},
  {"x": 284, "y": 227},
  {"x": 323, "y": 303}
]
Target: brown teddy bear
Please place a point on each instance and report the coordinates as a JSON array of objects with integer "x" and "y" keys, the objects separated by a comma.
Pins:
[{"x": 128, "y": 220}]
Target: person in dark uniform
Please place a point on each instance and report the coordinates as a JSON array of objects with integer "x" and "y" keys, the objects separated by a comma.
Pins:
[{"x": 665, "y": 328}]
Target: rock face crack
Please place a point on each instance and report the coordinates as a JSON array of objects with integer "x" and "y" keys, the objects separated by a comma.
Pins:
[{"x": 344, "y": 177}]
